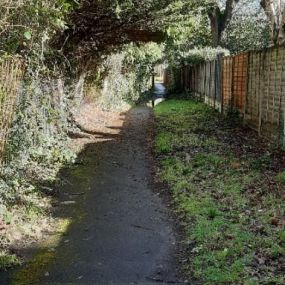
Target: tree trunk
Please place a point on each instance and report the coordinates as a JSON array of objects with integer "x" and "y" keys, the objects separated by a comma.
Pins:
[
  {"x": 219, "y": 20},
  {"x": 275, "y": 11},
  {"x": 215, "y": 27}
]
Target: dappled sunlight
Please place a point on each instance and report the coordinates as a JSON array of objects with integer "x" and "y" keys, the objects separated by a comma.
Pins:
[
  {"x": 43, "y": 255},
  {"x": 67, "y": 207}
]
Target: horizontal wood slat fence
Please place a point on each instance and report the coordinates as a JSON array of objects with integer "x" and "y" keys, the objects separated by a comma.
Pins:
[{"x": 251, "y": 83}]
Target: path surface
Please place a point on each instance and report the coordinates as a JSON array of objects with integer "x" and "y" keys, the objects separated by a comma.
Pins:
[
  {"x": 122, "y": 233},
  {"x": 159, "y": 90}
]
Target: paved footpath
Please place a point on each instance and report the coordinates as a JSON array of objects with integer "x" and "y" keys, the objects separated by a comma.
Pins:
[{"x": 122, "y": 232}]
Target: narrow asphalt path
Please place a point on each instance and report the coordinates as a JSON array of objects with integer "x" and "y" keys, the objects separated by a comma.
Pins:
[{"x": 122, "y": 232}]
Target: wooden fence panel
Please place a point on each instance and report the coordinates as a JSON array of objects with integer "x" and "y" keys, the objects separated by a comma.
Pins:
[
  {"x": 253, "y": 91},
  {"x": 272, "y": 93},
  {"x": 11, "y": 71},
  {"x": 218, "y": 84},
  {"x": 252, "y": 83},
  {"x": 227, "y": 77},
  {"x": 239, "y": 81}
]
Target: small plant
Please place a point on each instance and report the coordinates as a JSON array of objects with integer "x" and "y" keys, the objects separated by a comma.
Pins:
[
  {"x": 280, "y": 177},
  {"x": 163, "y": 143},
  {"x": 261, "y": 162},
  {"x": 282, "y": 237},
  {"x": 8, "y": 260},
  {"x": 212, "y": 213}
]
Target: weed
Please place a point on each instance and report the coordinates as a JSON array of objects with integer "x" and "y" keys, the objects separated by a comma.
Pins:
[
  {"x": 282, "y": 236},
  {"x": 8, "y": 260},
  {"x": 163, "y": 143},
  {"x": 260, "y": 163},
  {"x": 280, "y": 177}
]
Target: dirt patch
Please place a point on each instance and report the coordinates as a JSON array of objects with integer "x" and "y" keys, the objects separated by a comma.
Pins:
[{"x": 97, "y": 124}]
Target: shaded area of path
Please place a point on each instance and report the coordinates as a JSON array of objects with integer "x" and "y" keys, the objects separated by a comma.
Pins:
[{"x": 121, "y": 231}]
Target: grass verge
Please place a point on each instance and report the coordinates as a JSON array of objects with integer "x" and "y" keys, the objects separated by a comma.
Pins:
[{"x": 228, "y": 190}]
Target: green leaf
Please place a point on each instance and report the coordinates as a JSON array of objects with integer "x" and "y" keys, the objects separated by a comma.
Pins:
[{"x": 28, "y": 35}]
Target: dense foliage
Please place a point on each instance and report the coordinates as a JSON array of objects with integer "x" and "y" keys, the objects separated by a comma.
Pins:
[
  {"x": 248, "y": 29},
  {"x": 26, "y": 27}
]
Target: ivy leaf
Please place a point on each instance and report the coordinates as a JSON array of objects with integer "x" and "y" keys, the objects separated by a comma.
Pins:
[{"x": 28, "y": 35}]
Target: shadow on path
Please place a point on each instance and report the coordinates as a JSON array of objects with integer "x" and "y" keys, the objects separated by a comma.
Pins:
[{"x": 120, "y": 231}]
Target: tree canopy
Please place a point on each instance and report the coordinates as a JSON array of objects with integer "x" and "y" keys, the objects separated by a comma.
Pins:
[{"x": 79, "y": 30}]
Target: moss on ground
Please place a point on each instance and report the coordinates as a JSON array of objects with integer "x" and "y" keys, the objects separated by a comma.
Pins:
[
  {"x": 228, "y": 188},
  {"x": 8, "y": 260},
  {"x": 40, "y": 263}
]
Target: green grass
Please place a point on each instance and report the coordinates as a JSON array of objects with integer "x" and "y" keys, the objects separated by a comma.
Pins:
[
  {"x": 280, "y": 177},
  {"x": 227, "y": 196},
  {"x": 164, "y": 142},
  {"x": 8, "y": 260}
]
